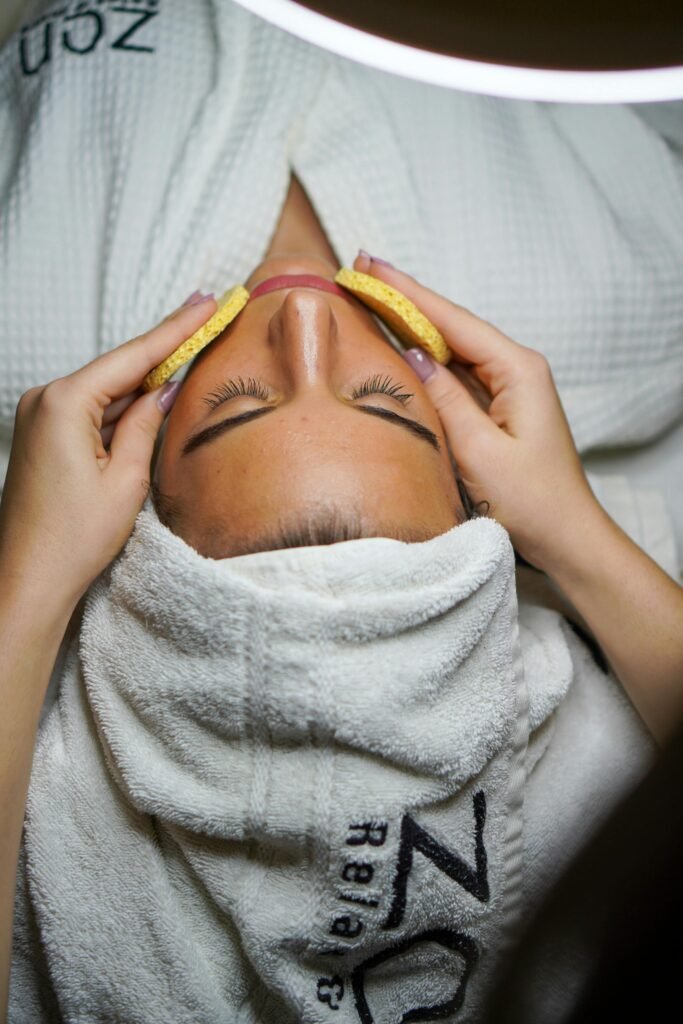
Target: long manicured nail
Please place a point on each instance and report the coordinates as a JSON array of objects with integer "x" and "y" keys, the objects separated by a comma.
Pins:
[
  {"x": 422, "y": 363},
  {"x": 375, "y": 259},
  {"x": 196, "y": 298},
  {"x": 167, "y": 395}
]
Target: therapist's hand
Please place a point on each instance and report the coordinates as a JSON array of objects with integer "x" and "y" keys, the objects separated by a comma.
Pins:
[
  {"x": 504, "y": 422},
  {"x": 69, "y": 505}
]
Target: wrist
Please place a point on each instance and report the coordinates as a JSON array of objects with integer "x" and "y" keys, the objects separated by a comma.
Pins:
[
  {"x": 581, "y": 538},
  {"x": 633, "y": 608},
  {"x": 35, "y": 603}
]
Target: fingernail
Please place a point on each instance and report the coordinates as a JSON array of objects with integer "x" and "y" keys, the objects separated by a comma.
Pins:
[
  {"x": 168, "y": 394},
  {"x": 423, "y": 364},
  {"x": 375, "y": 259},
  {"x": 196, "y": 298}
]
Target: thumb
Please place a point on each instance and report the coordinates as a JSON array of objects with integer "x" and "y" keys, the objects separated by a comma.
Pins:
[
  {"x": 132, "y": 444},
  {"x": 466, "y": 423}
]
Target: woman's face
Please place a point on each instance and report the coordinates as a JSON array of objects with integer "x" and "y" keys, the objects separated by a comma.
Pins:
[{"x": 312, "y": 448}]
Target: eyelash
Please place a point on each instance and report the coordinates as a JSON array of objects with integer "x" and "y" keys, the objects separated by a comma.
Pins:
[
  {"x": 237, "y": 387},
  {"x": 255, "y": 388},
  {"x": 381, "y": 384}
]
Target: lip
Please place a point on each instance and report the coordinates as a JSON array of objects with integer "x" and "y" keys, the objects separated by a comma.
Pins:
[{"x": 279, "y": 281}]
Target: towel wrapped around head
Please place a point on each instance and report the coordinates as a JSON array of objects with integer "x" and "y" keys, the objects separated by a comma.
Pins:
[{"x": 285, "y": 784}]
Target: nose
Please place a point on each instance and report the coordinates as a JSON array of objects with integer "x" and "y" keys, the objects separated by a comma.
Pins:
[{"x": 304, "y": 335}]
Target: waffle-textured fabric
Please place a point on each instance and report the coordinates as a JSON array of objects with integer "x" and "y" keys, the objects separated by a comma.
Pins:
[{"x": 311, "y": 784}]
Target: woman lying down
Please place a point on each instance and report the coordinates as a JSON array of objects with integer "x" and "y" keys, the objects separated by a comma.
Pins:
[{"x": 312, "y": 759}]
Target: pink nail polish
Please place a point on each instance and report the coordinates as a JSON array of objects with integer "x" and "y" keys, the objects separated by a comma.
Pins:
[
  {"x": 375, "y": 259},
  {"x": 167, "y": 395},
  {"x": 191, "y": 298},
  {"x": 423, "y": 364}
]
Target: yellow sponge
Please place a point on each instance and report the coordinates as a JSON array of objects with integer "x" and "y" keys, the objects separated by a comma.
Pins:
[
  {"x": 400, "y": 314},
  {"x": 230, "y": 304},
  {"x": 397, "y": 311}
]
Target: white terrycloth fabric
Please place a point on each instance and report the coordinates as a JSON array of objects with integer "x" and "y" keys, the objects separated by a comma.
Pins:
[{"x": 292, "y": 782}]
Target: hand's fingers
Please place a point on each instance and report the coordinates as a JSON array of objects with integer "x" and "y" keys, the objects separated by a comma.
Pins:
[
  {"x": 133, "y": 436},
  {"x": 115, "y": 409},
  {"x": 473, "y": 386},
  {"x": 107, "y": 433},
  {"x": 462, "y": 413},
  {"x": 113, "y": 413},
  {"x": 194, "y": 299},
  {"x": 495, "y": 359},
  {"x": 123, "y": 369}
]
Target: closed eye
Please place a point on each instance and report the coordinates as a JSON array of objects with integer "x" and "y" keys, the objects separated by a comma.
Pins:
[
  {"x": 234, "y": 388},
  {"x": 257, "y": 389},
  {"x": 381, "y": 385},
  {"x": 373, "y": 385}
]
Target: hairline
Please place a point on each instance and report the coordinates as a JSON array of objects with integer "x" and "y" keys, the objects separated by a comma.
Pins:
[{"x": 327, "y": 524}]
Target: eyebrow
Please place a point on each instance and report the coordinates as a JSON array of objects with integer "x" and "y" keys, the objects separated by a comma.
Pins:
[{"x": 217, "y": 429}]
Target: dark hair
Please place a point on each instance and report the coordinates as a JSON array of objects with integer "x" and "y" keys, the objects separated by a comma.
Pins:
[
  {"x": 327, "y": 526},
  {"x": 472, "y": 511}
]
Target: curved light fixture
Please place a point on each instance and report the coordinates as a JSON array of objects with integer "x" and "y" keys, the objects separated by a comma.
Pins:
[{"x": 585, "y": 51}]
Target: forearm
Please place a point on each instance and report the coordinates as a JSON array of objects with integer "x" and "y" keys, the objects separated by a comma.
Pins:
[
  {"x": 632, "y": 607},
  {"x": 31, "y": 629}
]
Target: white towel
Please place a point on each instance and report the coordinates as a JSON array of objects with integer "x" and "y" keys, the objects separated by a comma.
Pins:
[{"x": 291, "y": 783}]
